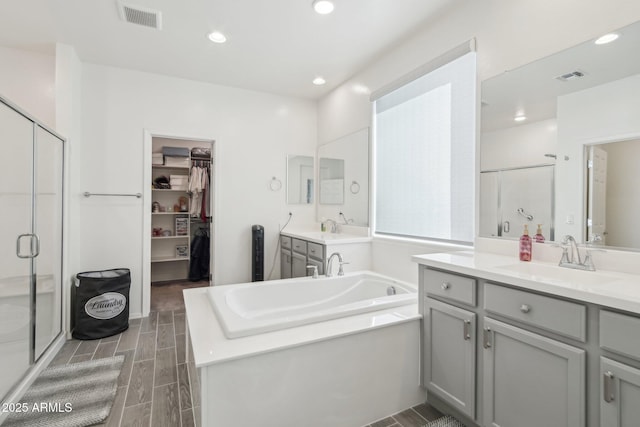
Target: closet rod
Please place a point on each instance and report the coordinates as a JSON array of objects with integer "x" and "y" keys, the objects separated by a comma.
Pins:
[{"x": 87, "y": 194}]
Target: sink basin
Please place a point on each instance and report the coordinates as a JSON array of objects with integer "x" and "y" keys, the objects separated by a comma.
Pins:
[{"x": 555, "y": 273}]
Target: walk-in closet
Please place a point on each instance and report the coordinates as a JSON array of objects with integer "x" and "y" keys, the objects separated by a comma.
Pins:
[{"x": 181, "y": 215}]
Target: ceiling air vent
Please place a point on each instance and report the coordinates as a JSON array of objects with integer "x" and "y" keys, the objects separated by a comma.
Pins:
[
  {"x": 570, "y": 76},
  {"x": 140, "y": 15}
]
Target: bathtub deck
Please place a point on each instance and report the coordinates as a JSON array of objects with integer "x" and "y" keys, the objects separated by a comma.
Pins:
[{"x": 211, "y": 346}]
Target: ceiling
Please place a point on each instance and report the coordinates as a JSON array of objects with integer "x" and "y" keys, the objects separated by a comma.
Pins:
[
  {"x": 532, "y": 90},
  {"x": 276, "y": 46}
]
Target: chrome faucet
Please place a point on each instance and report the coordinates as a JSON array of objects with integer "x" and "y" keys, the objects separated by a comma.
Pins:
[
  {"x": 330, "y": 264},
  {"x": 574, "y": 260}
]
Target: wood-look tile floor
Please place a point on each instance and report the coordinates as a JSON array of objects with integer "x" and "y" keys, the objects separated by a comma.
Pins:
[
  {"x": 154, "y": 387},
  {"x": 417, "y": 416},
  {"x": 158, "y": 386}
]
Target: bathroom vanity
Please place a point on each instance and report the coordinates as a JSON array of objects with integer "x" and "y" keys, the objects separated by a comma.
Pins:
[
  {"x": 507, "y": 343},
  {"x": 308, "y": 248}
]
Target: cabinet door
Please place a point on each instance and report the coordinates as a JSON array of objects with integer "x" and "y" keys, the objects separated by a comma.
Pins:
[
  {"x": 530, "y": 380},
  {"x": 298, "y": 265},
  {"x": 450, "y": 354},
  {"x": 285, "y": 264},
  {"x": 619, "y": 394}
]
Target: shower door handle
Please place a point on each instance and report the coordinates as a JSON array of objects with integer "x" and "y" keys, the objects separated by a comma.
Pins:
[{"x": 34, "y": 246}]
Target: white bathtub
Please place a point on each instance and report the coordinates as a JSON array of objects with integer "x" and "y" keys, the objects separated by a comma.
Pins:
[{"x": 253, "y": 308}]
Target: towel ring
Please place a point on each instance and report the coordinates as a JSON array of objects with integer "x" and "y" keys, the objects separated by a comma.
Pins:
[
  {"x": 355, "y": 187},
  {"x": 275, "y": 184}
]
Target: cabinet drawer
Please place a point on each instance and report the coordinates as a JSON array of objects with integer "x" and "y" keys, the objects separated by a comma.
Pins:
[
  {"x": 451, "y": 286},
  {"x": 620, "y": 333},
  {"x": 315, "y": 250},
  {"x": 285, "y": 242},
  {"x": 299, "y": 246},
  {"x": 562, "y": 317}
]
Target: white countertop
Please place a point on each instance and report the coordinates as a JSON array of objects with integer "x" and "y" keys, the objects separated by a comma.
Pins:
[
  {"x": 602, "y": 287},
  {"x": 326, "y": 238},
  {"x": 210, "y": 345}
]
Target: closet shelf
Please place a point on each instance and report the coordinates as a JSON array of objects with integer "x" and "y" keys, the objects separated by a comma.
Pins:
[
  {"x": 170, "y": 213},
  {"x": 169, "y": 237},
  {"x": 170, "y": 167},
  {"x": 169, "y": 259},
  {"x": 168, "y": 189}
]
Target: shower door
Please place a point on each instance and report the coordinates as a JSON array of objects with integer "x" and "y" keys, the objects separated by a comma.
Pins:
[
  {"x": 511, "y": 198},
  {"x": 31, "y": 184}
]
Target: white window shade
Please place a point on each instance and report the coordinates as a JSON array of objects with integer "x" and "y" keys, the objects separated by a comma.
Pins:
[{"x": 425, "y": 155}]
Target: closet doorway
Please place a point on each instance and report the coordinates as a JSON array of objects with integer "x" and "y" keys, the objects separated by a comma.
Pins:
[{"x": 179, "y": 207}]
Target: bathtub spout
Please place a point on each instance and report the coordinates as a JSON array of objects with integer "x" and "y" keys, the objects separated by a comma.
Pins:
[{"x": 330, "y": 264}]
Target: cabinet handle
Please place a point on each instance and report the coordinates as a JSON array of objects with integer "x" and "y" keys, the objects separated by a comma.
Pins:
[
  {"x": 608, "y": 386},
  {"x": 486, "y": 338},
  {"x": 445, "y": 286},
  {"x": 525, "y": 308},
  {"x": 466, "y": 331}
]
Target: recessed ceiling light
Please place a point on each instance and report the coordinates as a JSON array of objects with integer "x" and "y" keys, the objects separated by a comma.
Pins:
[
  {"x": 607, "y": 38},
  {"x": 217, "y": 37},
  {"x": 520, "y": 118},
  {"x": 319, "y": 81},
  {"x": 323, "y": 7}
]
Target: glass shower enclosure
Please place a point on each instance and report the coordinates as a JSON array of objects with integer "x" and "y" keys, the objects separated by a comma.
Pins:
[
  {"x": 511, "y": 198},
  {"x": 31, "y": 197}
]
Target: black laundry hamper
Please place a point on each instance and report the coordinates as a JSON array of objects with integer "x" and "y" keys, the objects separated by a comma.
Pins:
[{"x": 101, "y": 303}]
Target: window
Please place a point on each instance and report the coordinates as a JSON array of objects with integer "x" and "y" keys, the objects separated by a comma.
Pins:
[{"x": 424, "y": 148}]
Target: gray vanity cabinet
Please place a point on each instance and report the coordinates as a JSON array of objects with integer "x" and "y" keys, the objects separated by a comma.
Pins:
[
  {"x": 285, "y": 257},
  {"x": 531, "y": 380},
  {"x": 620, "y": 382},
  {"x": 297, "y": 254},
  {"x": 450, "y": 359},
  {"x": 620, "y": 394}
]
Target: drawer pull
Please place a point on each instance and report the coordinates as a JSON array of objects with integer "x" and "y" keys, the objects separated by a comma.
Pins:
[
  {"x": 445, "y": 286},
  {"x": 466, "y": 331},
  {"x": 486, "y": 338},
  {"x": 525, "y": 308},
  {"x": 608, "y": 387}
]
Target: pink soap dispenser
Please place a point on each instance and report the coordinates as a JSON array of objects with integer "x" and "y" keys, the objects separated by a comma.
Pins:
[{"x": 525, "y": 245}]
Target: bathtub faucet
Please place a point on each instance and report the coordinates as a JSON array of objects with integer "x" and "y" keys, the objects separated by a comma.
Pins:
[{"x": 330, "y": 264}]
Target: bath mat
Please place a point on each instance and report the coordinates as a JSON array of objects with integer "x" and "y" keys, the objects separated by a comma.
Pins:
[
  {"x": 74, "y": 395},
  {"x": 446, "y": 421}
]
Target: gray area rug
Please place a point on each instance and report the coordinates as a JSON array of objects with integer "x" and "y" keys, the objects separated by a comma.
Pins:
[
  {"x": 446, "y": 421},
  {"x": 74, "y": 395}
]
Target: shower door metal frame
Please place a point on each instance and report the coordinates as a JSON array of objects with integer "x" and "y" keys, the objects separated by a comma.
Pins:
[{"x": 33, "y": 358}]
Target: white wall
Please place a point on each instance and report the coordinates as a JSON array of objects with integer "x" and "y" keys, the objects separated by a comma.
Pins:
[
  {"x": 27, "y": 79},
  {"x": 519, "y": 146},
  {"x": 253, "y": 133},
  {"x": 601, "y": 114},
  {"x": 508, "y": 34}
]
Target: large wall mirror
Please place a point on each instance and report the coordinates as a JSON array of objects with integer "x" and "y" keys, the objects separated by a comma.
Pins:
[
  {"x": 300, "y": 180},
  {"x": 560, "y": 145},
  {"x": 343, "y": 177}
]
